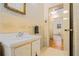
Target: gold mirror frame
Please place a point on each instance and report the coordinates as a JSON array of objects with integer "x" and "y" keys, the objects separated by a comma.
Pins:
[{"x": 6, "y": 5}]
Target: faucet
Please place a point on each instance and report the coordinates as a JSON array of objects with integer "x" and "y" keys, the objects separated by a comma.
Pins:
[{"x": 20, "y": 34}]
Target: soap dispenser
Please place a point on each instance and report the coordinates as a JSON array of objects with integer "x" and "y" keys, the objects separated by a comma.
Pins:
[{"x": 36, "y": 29}]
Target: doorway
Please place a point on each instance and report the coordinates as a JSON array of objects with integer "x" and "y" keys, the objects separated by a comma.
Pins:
[{"x": 60, "y": 27}]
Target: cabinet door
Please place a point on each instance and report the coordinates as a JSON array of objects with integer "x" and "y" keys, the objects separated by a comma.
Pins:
[
  {"x": 23, "y": 50},
  {"x": 36, "y": 48}
]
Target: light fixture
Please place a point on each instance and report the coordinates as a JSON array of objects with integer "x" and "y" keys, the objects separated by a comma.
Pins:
[
  {"x": 55, "y": 16},
  {"x": 65, "y": 11},
  {"x": 53, "y": 12},
  {"x": 65, "y": 18}
]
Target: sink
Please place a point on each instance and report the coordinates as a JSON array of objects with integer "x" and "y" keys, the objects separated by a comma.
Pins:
[{"x": 10, "y": 39}]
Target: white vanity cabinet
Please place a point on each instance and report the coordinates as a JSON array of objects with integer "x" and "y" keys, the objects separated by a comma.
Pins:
[
  {"x": 31, "y": 48},
  {"x": 27, "y": 49},
  {"x": 36, "y": 47},
  {"x": 22, "y": 50}
]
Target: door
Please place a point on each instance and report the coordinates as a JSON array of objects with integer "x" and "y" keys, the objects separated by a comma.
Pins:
[
  {"x": 66, "y": 27},
  {"x": 60, "y": 26}
]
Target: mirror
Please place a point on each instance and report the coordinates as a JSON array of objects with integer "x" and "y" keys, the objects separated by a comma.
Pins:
[{"x": 16, "y": 7}]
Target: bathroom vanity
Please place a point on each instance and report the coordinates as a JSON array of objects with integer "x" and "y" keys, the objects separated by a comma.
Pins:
[
  {"x": 27, "y": 45},
  {"x": 26, "y": 48}
]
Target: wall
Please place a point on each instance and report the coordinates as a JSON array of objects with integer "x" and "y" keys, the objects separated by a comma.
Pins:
[
  {"x": 14, "y": 22},
  {"x": 76, "y": 28}
]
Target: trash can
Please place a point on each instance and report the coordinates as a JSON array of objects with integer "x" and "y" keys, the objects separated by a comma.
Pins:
[{"x": 1, "y": 50}]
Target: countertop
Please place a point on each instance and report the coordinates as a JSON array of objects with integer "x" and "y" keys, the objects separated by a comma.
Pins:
[{"x": 10, "y": 41}]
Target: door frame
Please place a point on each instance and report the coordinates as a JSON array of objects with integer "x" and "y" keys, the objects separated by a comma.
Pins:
[{"x": 71, "y": 27}]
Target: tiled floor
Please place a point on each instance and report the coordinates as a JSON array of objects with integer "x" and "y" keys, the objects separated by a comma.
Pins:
[{"x": 52, "y": 52}]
